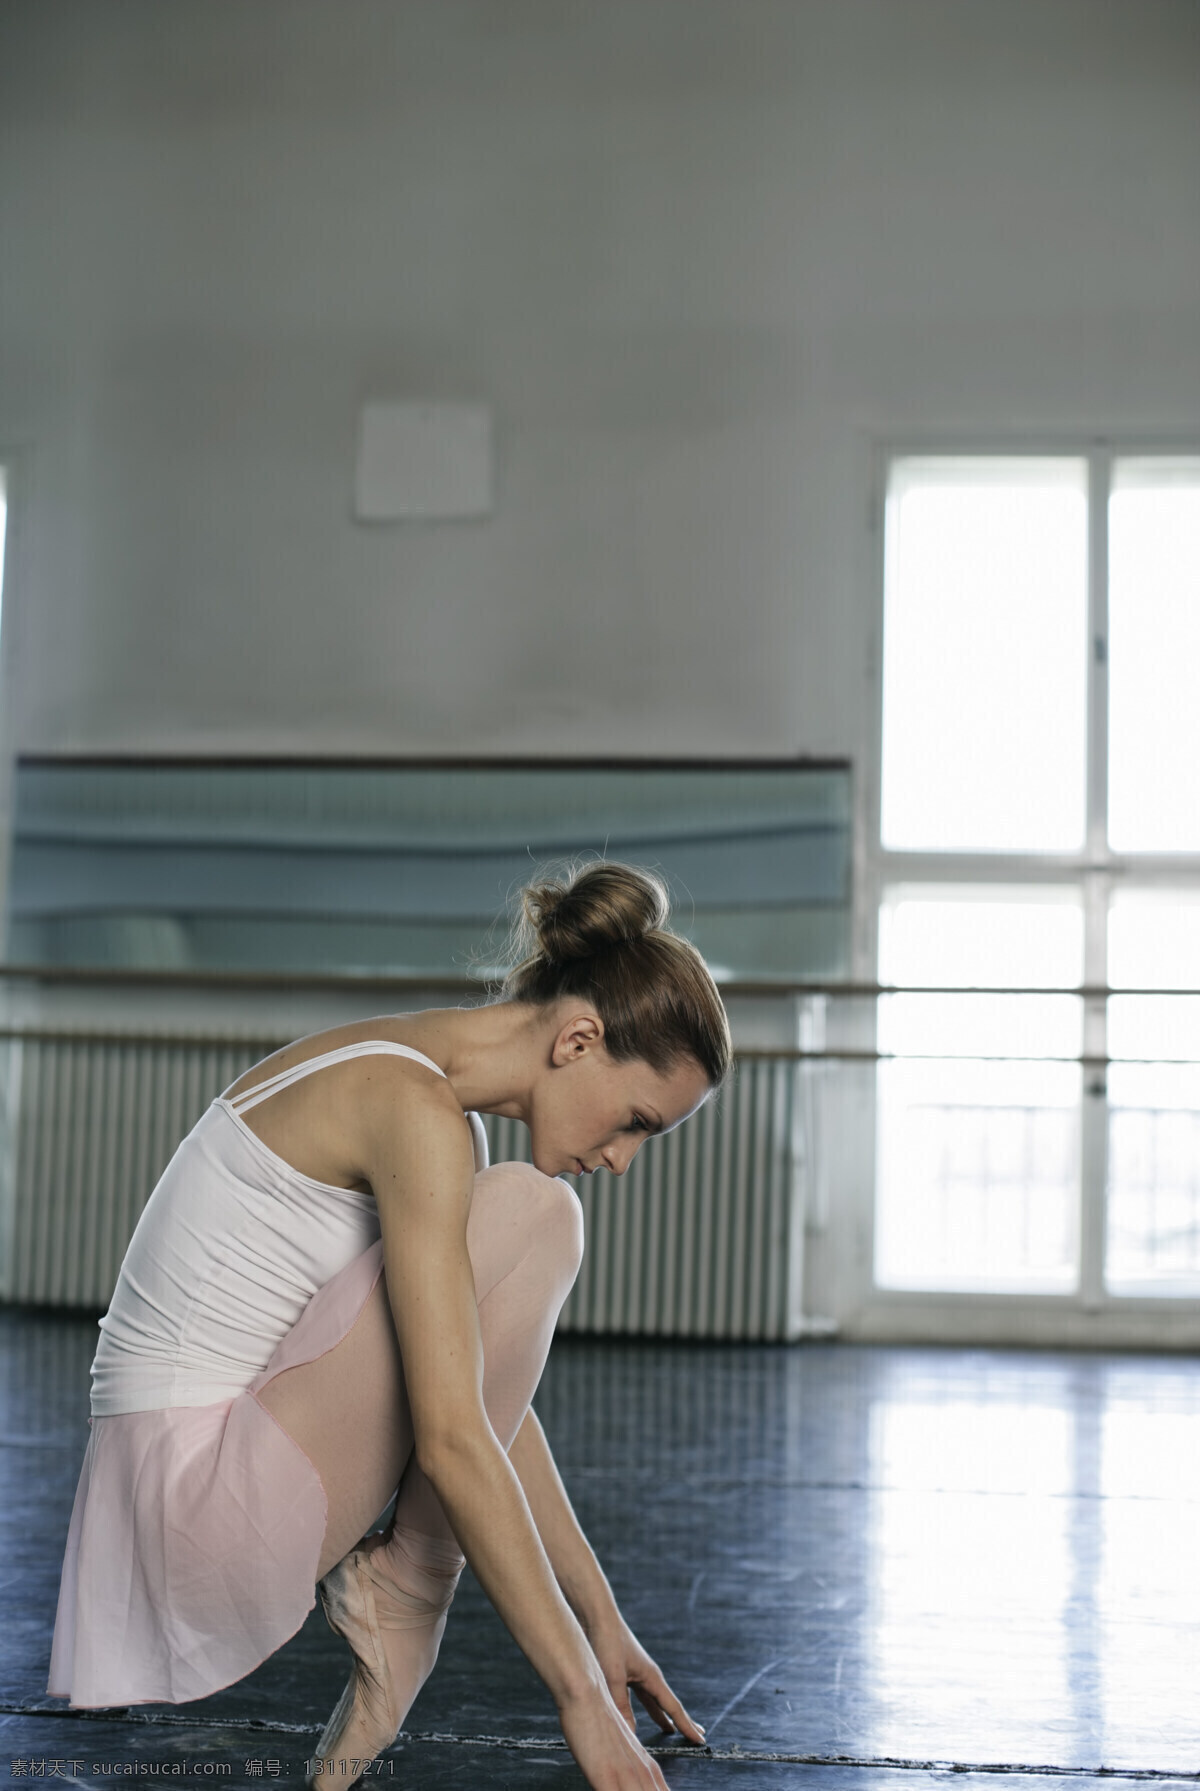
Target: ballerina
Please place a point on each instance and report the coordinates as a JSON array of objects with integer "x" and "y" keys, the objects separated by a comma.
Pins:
[{"x": 331, "y": 1299}]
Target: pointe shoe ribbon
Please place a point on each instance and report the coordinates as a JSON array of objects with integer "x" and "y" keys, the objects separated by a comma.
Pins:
[
  {"x": 429, "y": 1569},
  {"x": 362, "y": 1601}
]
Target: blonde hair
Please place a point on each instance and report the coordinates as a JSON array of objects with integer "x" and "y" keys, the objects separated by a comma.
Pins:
[{"x": 600, "y": 932}]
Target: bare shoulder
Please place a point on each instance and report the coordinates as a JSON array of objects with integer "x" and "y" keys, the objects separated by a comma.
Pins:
[
  {"x": 387, "y": 1029},
  {"x": 360, "y": 1114},
  {"x": 391, "y": 1086},
  {"x": 412, "y": 1127}
]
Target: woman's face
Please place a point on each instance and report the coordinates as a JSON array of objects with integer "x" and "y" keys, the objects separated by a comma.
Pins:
[{"x": 591, "y": 1112}]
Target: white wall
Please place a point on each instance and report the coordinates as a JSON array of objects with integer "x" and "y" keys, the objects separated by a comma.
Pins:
[{"x": 699, "y": 255}]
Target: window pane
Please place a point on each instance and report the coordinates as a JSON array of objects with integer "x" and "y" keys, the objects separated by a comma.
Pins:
[
  {"x": 1154, "y": 1106},
  {"x": 1154, "y": 652},
  {"x": 978, "y": 1161},
  {"x": 984, "y": 663}
]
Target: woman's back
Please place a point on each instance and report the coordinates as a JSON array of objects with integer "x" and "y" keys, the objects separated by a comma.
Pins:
[{"x": 231, "y": 1246}]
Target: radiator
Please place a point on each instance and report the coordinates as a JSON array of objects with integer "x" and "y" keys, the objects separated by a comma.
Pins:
[{"x": 703, "y": 1237}]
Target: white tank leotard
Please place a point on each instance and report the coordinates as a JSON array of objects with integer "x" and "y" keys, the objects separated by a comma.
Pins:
[{"x": 229, "y": 1249}]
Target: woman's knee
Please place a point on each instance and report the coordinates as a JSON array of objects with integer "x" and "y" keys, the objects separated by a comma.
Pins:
[
  {"x": 564, "y": 1220},
  {"x": 545, "y": 1209}
]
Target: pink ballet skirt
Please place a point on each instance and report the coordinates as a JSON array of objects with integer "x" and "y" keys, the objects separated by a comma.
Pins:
[{"x": 196, "y": 1534}]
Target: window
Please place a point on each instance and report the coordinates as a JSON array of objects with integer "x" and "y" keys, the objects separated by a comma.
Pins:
[
  {"x": 1039, "y": 830},
  {"x": 978, "y": 1125},
  {"x": 1154, "y": 624},
  {"x": 985, "y": 627},
  {"x": 1154, "y": 1105}
]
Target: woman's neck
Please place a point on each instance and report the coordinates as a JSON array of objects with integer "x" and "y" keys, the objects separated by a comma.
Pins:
[{"x": 491, "y": 1055}]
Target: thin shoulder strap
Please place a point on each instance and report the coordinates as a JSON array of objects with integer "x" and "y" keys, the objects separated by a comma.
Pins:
[{"x": 262, "y": 1091}]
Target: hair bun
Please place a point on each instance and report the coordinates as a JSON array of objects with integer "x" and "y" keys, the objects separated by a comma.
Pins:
[
  {"x": 655, "y": 997},
  {"x": 593, "y": 910}
]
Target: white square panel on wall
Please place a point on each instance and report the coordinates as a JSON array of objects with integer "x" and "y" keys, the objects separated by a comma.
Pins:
[{"x": 423, "y": 460}]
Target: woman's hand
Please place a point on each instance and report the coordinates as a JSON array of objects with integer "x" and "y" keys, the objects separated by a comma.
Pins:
[
  {"x": 600, "y": 1715},
  {"x": 625, "y": 1663},
  {"x": 612, "y": 1759}
]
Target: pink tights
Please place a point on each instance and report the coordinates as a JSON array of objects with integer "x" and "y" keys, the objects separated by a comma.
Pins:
[{"x": 348, "y": 1409}]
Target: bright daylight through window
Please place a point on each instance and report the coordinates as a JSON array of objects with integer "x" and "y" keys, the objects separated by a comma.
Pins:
[
  {"x": 984, "y": 686},
  {"x": 1154, "y": 636},
  {"x": 998, "y": 1151},
  {"x": 978, "y": 1149}
]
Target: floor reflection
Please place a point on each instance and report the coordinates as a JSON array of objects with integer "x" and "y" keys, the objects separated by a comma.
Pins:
[
  {"x": 969, "y": 1576},
  {"x": 1033, "y": 1573},
  {"x": 1148, "y": 1583}
]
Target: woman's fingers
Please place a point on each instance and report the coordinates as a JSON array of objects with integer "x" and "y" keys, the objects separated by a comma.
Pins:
[
  {"x": 666, "y": 1709},
  {"x": 656, "y": 1711},
  {"x": 624, "y": 1703}
]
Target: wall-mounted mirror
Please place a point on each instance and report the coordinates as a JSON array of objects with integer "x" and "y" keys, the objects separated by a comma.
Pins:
[{"x": 398, "y": 869}]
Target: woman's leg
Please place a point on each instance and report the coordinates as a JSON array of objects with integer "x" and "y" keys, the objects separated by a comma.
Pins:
[{"x": 348, "y": 1410}]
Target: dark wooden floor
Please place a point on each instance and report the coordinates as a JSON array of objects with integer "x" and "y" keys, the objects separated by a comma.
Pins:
[{"x": 858, "y": 1567}]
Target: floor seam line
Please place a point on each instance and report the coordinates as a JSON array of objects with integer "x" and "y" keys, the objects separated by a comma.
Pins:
[{"x": 531, "y": 1743}]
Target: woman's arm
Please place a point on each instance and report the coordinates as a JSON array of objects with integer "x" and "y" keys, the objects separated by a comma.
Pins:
[
  {"x": 418, "y": 1159},
  {"x": 576, "y": 1568},
  {"x": 622, "y": 1658}
]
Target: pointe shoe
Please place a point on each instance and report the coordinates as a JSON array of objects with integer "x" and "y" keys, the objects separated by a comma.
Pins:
[
  {"x": 361, "y": 1601},
  {"x": 348, "y": 1598}
]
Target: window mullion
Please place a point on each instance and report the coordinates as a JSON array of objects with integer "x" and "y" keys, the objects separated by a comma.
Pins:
[
  {"x": 1093, "y": 1167},
  {"x": 1099, "y": 474}
]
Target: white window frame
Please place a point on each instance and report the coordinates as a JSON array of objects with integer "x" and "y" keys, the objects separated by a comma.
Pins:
[{"x": 1090, "y": 1315}]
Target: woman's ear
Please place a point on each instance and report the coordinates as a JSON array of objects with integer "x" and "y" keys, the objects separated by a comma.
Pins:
[{"x": 582, "y": 1033}]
